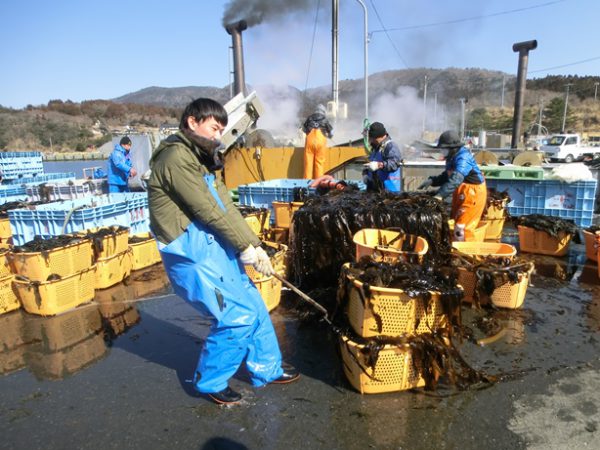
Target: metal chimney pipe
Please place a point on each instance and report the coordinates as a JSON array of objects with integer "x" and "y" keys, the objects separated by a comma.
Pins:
[
  {"x": 239, "y": 80},
  {"x": 523, "y": 48}
]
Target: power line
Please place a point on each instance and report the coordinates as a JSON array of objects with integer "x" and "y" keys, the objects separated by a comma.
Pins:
[
  {"x": 467, "y": 19},
  {"x": 312, "y": 45},
  {"x": 387, "y": 34},
  {"x": 565, "y": 65}
]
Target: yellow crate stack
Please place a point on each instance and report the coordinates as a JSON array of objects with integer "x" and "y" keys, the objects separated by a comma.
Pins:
[
  {"x": 50, "y": 282},
  {"x": 380, "y": 311}
]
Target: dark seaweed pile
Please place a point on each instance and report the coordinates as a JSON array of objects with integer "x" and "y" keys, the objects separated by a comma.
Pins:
[
  {"x": 551, "y": 225},
  {"x": 249, "y": 210},
  {"x": 9, "y": 206},
  {"x": 39, "y": 244},
  {"x": 324, "y": 227},
  {"x": 137, "y": 239}
]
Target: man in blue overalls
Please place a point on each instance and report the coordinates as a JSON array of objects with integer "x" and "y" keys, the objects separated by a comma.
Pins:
[
  {"x": 384, "y": 169},
  {"x": 204, "y": 243}
]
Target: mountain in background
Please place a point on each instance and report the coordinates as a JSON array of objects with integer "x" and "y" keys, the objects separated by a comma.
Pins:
[{"x": 396, "y": 98}]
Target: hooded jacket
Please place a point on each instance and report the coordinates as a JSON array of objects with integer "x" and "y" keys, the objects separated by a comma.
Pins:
[{"x": 178, "y": 194}]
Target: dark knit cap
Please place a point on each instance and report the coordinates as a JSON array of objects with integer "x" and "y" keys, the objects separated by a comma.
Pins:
[
  {"x": 377, "y": 130},
  {"x": 125, "y": 141}
]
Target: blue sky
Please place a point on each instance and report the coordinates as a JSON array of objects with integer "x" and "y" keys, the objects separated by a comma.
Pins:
[{"x": 80, "y": 50}]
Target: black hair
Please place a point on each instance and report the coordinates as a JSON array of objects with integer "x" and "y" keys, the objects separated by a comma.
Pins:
[{"x": 202, "y": 109}]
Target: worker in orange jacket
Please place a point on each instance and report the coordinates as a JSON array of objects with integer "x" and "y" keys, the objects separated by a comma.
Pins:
[{"x": 317, "y": 129}]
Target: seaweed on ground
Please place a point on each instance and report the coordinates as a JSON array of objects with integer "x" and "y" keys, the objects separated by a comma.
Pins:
[{"x": 554, "y": 226}]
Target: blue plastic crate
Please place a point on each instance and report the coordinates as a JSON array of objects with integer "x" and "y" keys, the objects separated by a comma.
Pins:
[
  {"x": 13, "y": 198},
  {"x": 9, "y": 191},
  {"x": 550, "y": 197},
  {"x": 43, "y": 178},
  {"x": 53, "y": 219},
  {"x": 264, "y": 193}
]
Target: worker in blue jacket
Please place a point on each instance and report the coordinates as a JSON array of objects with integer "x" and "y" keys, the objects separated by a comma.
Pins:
[
  {"x": 120, "y": 168},
  {"x": 464, "y": 181},
  {"x": 384, "y": 169}
]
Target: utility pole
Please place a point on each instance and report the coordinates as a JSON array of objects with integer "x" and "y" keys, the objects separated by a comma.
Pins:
[
  {"x": 566, "y": 105},
  {"x": 435, "y": 126},
  {"x": 334, "y": 55},
  {"x": 366, "y": 55},
  {"x": 424, "y": 104},
  {"x": 596, "y": 90},
  {"x": 503, "y": 81},
  {"x": 462, "y": 117},
  {"x": 541, "y": 116}
]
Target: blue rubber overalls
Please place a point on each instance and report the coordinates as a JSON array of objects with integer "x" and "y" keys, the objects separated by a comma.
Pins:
[
  {"x": 205, "y": 271},
  {"x": 391, "y": 180}
]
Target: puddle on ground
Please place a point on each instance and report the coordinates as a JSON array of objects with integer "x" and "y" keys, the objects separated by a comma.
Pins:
[
  {"x": 553, "y": 329},
  {"x": 52, "y": 348}
]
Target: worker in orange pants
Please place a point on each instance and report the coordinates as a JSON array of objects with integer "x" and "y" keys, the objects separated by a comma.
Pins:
[
  {"x": 317, "y": 129},
  {"x": 464, "y": 180}
]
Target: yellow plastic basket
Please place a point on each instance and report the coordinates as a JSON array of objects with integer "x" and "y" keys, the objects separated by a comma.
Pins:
[
  {"x": 496, "y": 212},
  {"x": 511, "y": 295},
  {"x": 394, "y": 370},
  {"x": 8, "y": 296},
  {"x": 591, "y": 244},
  {"x": 477, "y": 252},
  {"x": 540, "y": 242},
  {"x": 5, "y": 263},
  {"x": 110, "y": 244},
  {"x": 113, "y": 270},
  {"x": 5, "y": 230},
  {"x": 48, "y": 298},
  {"x": 5, "y": 233},
  {"x": 62, "y": 261},
  {"x": 259, "y": 221},
  {"x": 392, "y": 312},
  {"x": 387, "y": 245},
  {"x": 284, "y": 212},
  {"x": 494, "y": 228},
  {"x": 480, "y": 250},
  {"x": 144, "y": 253},
  {"x": 277, "y": 234}
]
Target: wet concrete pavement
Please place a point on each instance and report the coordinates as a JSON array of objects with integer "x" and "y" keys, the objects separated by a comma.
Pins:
[{"x": 115, "y": 374}]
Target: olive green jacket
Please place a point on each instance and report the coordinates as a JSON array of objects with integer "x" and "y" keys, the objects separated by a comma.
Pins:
[{"x": 178, "y": 194}]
